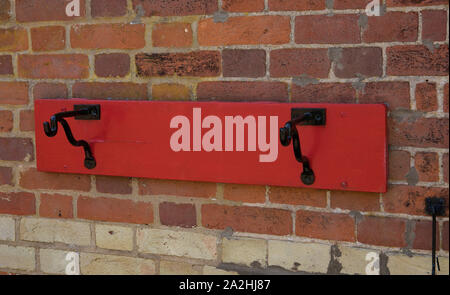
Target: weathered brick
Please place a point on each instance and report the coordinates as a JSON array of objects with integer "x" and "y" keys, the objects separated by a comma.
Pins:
[
  {"x": 6, "y": 67},
  {"x": 382, "y": 231},
  {"x": 399, "y": 164},
  {"x": 427, "y": 166},
  {"x": 214, "y": 271},
  {"x": 53, "y": 261},
  {"x": 33, "y": 179},
  {"x": 242, "y": 91},
  {"x": 7, "y": 229},
  {"x": 400, "y": 264},
  {"x": 176, "y": 8},
  {"x": 197, "y": 64},
  {"x": 327, "y": 29},
  {"x": 13, "y": 39},
  {"x": 249, "y": 252},
  {"x": 245, "y": 193},
  {"x": 172, "y": 35},
  {"x": 323, "y": 92},
  {"x": 15, "y": 257},
  {"x": 55, "y": 231},
  {"x": 299, "y": 5},
  {"x": 446, "y": 97},
  {"x": 177, "y": 188},
  {"x": 393, "y": 26},
  {"x": 170, "y": 91},
  {"x": 50, "y": 91},
  {"x": 404, "y": 3},
  {"x": 113, "y": 185},
  {"x": 355, "y": 201},
  {"x": 112, "y": 65},
  {"x": 14, "y": 93},
  {"x": 396, "y": 95},
  {"x": 45, "y": 10},
  {"x": 434, "y": 25},
  {"x": 6, "y": 121},
  {"x": 247, "y": 219},
  {"x": 445, "y": 167},
  {"x": 48, "y": 38},
  {"x": 114, "y": 210},
  {"x": 245, "y": 30},
  {"x": 183, "y": 215},
  {"x": 359, "y": 61},
  {"x": 56, "y": 206},
  {"x": 243, "y": 5},
  {"x": 296, "y": 62},
  {"x": 244, "y": 63},
  {"x": 177, "y": 268},
  {"x": 20, "y": 203},
  {"x": 298, "y": 196},
  {"x": 351, "y": 4},
  {"x": 101, "y": 36},
  {"x": 445, "y": 236},
  {"x": 6, "y": 175},
  {"x": 326, "y": 226},
  {"x": 114, "y": 237},
  {"x": 99, "y": 264},
  {"x": 108, "y": 90},
  {"x": 177, "y": 243},
  {"x": 53, "y": 66},
  {"x": 426, "y": 97},
  {"x": 417, "y": 60},
  {"x": 108, "y": 8},
  {"x": 422, "y": 235},
  {"x": 16, "y": 149},
  {"x": 5, "y": 10},
  {"x": 353, "y": 260},
  {"x": 26, "y": 120}
]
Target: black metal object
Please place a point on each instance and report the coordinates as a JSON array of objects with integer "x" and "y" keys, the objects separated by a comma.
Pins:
[
  {"x": 435, "y": 207},
  {"x": 80, "y": 112},
  {"x": 303, "y": 117}
]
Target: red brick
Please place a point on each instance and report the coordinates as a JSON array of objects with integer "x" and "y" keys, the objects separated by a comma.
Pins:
[
  {"x": 45, "y": 10},
  {"x": 20, "y": 203},
  {"x": 14, "y": 93},
  {"x": 324, "y": 93},
  {"x": 351, "y": 4},
  {"x": 6, "y": 121},
  {"x": 434, "y": 25},
  {"x": 402, "y": 3},
  {"x": 296, "y": 62},
  {"x": 445, "y": 167},
  {"x": 427, "y": 165},
  {"x": 103, "y": 36},
  {"x": 245, "y": 193},
  {"x": 48, "y": 38},
  {"x": 422, "y": 235},
  {"x": 183, "y": 215},
  {"x": 177, "y": 188},
  {"x": 170, "y": 91},
  {"x": 33, "y": 179},
  {"x": 242, "y": 91},
  {"x": 355, "y": 201},
  {"x": 16, "y": 149},
  {"x": 446, "y": 98},
  {"x": 445, "y": 236},
  {"x": 197, "y": 64},
  {"x": 5, "y": 10},
  {"x": 27, "y": 120},
  {"x": 327, "y": 29},
  {"x": 298, "y": 196},
  {"x": 426, "y": 97},
  {"x": 382, "y": 231},
  {"x": 113, "y": 185},
  {"x": 114, "y": 210},
  {"x": 112, "y": 65},
  {"x": 108, "y": 8},
  {"x": 243, "y": 5},
  {"x": 244, "y": 63},
  {"x": 114, "y": 90},
  {"x": 56, "y": 206},
  {"x": 408, "y": 130},
  {"x": 6, "y": 67},
  {"x": 392, "y": 27},
  {"x": 6, "y": 176},
  {"x": 417, "y": 60},
  {"x": 247, "y": 219},
  {"x": 399, "y": 164},
  {"x": 396, "y": 95},
  {"x": 325, "y": 226},
  {"x": 298, "y": 5},
  {"x": 50, "y": 91},
  {"x": 410, "y": 199},
  {"x": 172, "y": 35},
  {"x": 359, "y": 61},
  {"x": 54, "y": 66},
  {"x": 245, "y": 30},
  {"x": 13, "y": 39},
  {"x": 176, "y": 8}
]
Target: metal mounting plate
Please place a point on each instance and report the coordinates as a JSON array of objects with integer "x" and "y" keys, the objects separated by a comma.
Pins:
[
  {"x": 94, "y": 111},
  {"x": 319, "y": 116}
]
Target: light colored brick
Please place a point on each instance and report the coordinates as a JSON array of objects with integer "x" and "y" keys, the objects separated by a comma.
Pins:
[
  {"x": 211, "y": 270},
  {"x": 307, "y": 257},
  {"x": 353, "y": 260},
  {"x": 416, "y": 265},
  {"x": 53, "y": 261},
  {"x": 20, "y": 258},
  {"x": 177, "y": 243},
  {"x": 51, "y": 231},
  {"x": 177, "y": 268},
  {"x": 7, "y": 229},
  {"x": 98, "y": 264},
  {"x": 248, "y": 252},
  {"x": 114, "y": 237}
]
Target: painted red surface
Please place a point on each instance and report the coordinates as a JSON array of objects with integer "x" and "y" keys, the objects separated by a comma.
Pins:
[{"x": 133, "y": 139}]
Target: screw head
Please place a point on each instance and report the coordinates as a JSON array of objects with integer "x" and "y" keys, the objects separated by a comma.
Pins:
[
  {"x": 308, "y": 178},
  {"x": 90, "y": 163}
]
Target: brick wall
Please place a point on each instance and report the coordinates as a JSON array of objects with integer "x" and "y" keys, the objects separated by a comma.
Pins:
[{"x": 230, "y": 50}]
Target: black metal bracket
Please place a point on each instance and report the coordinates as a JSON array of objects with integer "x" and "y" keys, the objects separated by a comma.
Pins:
[
  {"x": 302, "y": 117},
  {"x": 80, "y": 112},
  {"x": 435, "y": 207}
]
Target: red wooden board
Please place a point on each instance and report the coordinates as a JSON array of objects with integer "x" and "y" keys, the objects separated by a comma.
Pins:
[{"x": 133, "y": 138}]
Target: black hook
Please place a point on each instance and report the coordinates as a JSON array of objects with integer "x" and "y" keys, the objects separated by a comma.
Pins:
[
  {"x": 80, "y": 112},
  {"x": 289, "y": 133}
]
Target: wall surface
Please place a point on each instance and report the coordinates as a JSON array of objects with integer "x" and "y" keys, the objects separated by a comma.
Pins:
[{"x": 226, "y": 50}]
